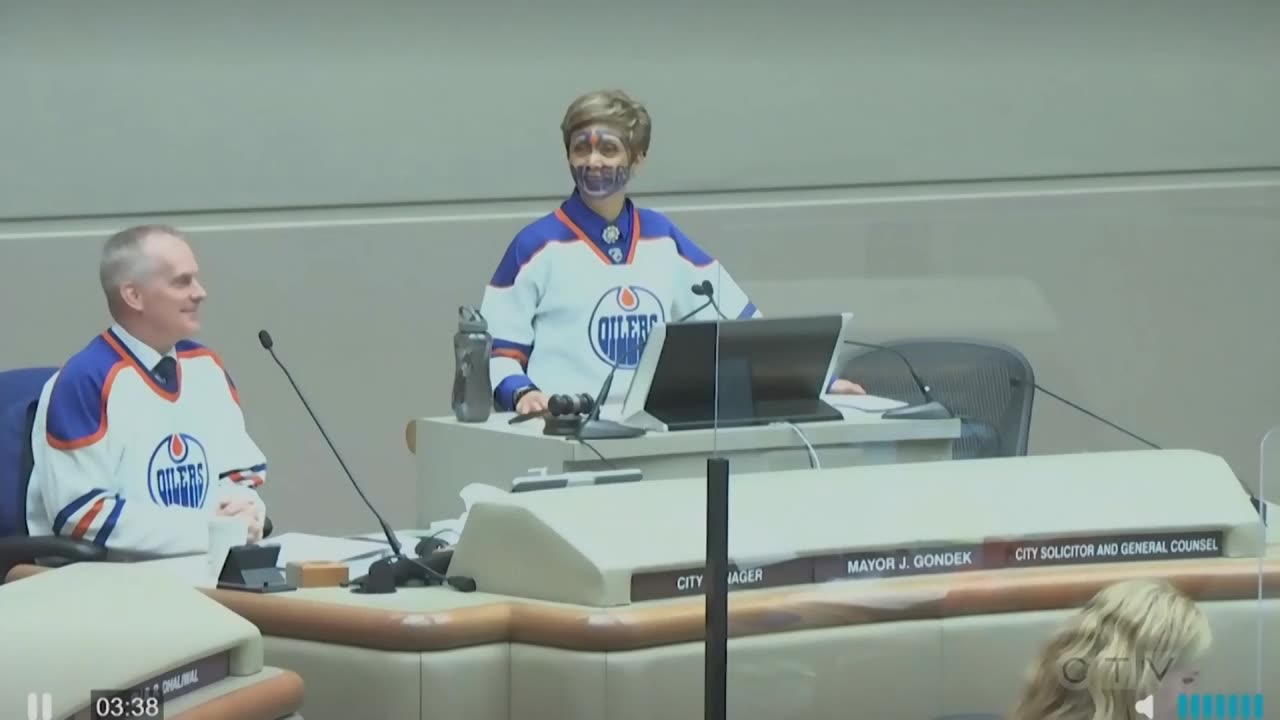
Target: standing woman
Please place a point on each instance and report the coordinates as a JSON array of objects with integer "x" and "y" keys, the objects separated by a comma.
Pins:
[{"x": 578, "y": 291}]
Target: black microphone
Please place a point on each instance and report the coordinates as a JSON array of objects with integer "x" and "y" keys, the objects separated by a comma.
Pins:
[
  {"x": 704, "y": 289},
  {"x": 930, "y": 409},
  {"x": 694, "y": 311},
  {"x": 1018, "y": 382},
  {"x": 386, "y": 574},
  {"x": 593, "y": 428}
]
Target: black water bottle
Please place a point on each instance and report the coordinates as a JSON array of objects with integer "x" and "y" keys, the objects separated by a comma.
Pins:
[{"x": 472, "y": 393}]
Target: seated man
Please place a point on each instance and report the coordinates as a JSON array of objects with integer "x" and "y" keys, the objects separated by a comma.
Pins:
[
  {"x": 138, "y": 438},
  {"x": 577, "y": 290}
]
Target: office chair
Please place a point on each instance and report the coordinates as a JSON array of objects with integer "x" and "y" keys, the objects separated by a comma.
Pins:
[
  {"x": 987, "y": 385},
  {"x": 19, "y": 392}
]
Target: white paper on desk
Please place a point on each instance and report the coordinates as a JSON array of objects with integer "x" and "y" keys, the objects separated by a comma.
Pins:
[
  {"x": 406, "y": 539},
  {"x": 302, "y": 547},
  {"x": 450, "y": 530},
  {"x": 865, "y": 403}
]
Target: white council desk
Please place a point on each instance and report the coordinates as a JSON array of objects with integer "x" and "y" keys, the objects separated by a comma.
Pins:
[{"x": 451, "y": 455}]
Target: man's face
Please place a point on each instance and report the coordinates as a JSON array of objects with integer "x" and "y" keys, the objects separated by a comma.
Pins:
[
  {"x": 599, "y": 161},
  {"x": 169, "y": 298}
]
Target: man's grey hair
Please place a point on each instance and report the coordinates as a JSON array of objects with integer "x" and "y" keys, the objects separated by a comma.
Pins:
[{"x": 124, "y": 261}]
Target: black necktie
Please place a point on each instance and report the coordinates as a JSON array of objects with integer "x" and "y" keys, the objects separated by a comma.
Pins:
[{"x": 166, "y": 372}]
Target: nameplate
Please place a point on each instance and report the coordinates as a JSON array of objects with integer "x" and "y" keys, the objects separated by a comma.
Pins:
[
  {"x": 189, "y": 678},
  {"x": 1105, "y": 549},
  {"x": 898, "y": 563},
  {"x": 690, "y": 581},
  {"x": 935, "y": 559}
]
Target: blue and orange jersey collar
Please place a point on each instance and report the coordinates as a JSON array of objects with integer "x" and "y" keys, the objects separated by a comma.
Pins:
[{"x": 585, "y": 222}]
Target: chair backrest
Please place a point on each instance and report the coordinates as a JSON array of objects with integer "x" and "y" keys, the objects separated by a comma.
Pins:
[
  {"x": 19, "y": 392},
  {"x": 987, "y": 385}
]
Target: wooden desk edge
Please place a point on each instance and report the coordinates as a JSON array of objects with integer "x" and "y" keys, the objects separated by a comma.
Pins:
[{"x": 759, "y": 612}]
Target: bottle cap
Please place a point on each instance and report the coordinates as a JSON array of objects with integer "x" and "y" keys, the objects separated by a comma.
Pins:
[{"x": 471, "y": 321}]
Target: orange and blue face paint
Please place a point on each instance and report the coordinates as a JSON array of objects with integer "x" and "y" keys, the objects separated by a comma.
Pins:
[{"x": 599, "y": 161}]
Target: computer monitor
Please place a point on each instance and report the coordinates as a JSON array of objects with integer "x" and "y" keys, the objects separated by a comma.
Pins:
[{"x": 732, "y": 373}]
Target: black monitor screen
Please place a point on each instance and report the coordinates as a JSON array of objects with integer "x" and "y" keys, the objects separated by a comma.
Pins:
[{"x": 761, "y": 365}]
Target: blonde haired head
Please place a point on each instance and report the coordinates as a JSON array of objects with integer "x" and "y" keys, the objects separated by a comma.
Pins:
[
  {"x": 1114, "y": 652},
  {"x": 615, "y": 109}
]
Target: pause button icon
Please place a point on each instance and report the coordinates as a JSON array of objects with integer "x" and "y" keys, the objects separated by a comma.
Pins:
[{"x": 39, "y": 706}]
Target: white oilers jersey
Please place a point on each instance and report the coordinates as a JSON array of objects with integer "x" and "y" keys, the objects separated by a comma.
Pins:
[
  {"x": 575, "y": 296},
  {"x": 133, "y": 462}
]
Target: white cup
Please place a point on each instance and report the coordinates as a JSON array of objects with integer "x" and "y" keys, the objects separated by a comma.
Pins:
[{"x": 224, "y": 534}]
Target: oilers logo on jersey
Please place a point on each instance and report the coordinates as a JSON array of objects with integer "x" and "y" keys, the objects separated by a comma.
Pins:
[
  {"x": 621, "y": 322},
  {"x": 178, "y": 472}
]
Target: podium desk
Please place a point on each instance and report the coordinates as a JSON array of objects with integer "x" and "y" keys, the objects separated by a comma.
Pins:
[
  {"x": 902, "y": 648},
  {"x": 585, "y": 612},
  {"x": 95, "y": 627},
  {"x": 449, "y": 455}
]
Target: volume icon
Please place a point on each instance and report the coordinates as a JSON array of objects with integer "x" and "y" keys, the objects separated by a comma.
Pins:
[{"x": 39, "y": 706}]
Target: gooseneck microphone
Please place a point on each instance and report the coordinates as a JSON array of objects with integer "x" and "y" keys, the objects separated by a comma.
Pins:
[
  {"x": 1019, "y": 382},
  {"x": 386, "y": 574},
  {"x": 593, "y": 428},
  {"x": 704, "y": 289},
  {"x": 930, "y": 409},
  {"x": 696, "y": 310}
]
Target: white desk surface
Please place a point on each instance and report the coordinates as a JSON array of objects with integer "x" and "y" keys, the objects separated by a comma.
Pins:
[
  {"x": 861, "y": 409},
  {"x": 858, "y": 426}
]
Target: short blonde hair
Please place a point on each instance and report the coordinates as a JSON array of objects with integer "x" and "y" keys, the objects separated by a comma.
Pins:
[
  {"x": 1108, "y": 656},
  {"x": 613, "y": 108}
]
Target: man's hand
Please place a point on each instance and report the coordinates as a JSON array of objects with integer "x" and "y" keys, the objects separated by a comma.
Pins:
[
  {"x": 247, "y": 509},
  {"x": 532, "y": 403},
  {"x": 845, "y": 387}
]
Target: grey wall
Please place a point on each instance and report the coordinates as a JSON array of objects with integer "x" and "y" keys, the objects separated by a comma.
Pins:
[
  {"x": 145, "y": 107},
  {"x": 1094, "y": 183}
]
